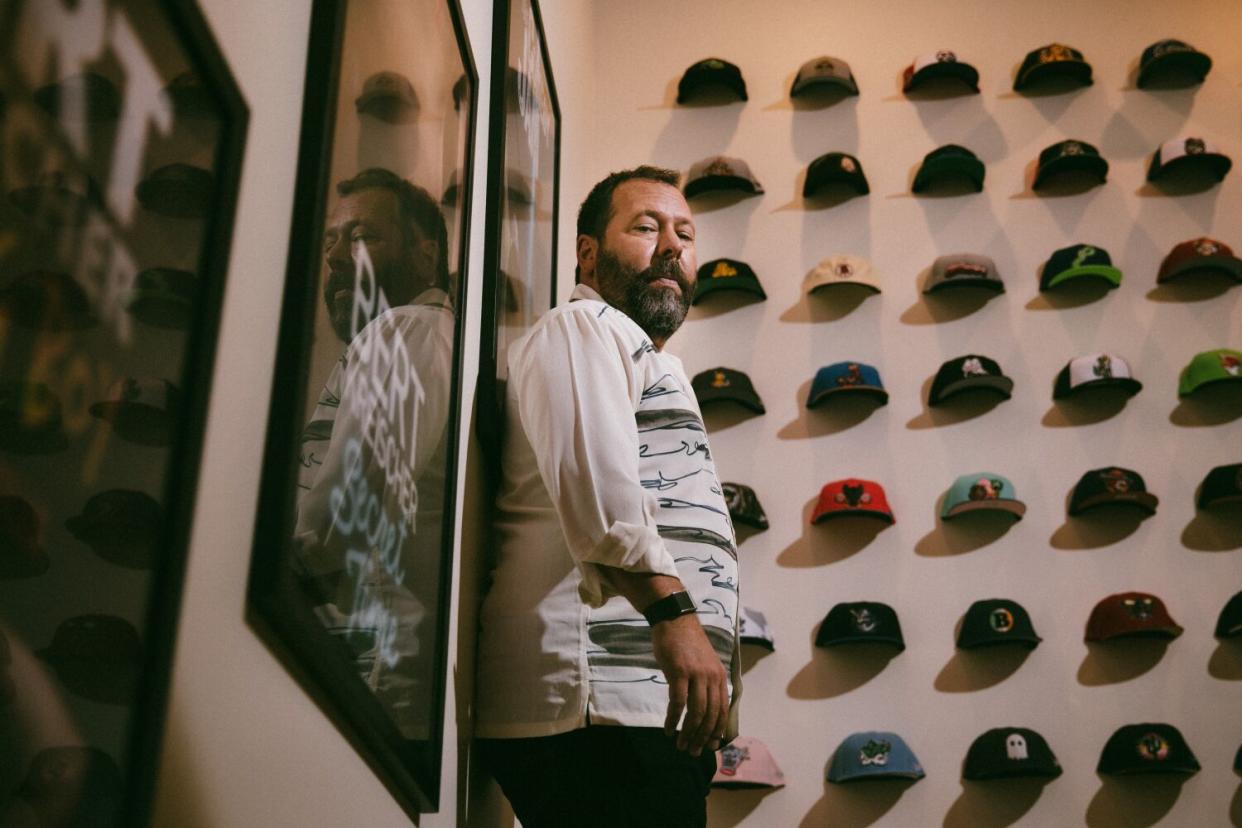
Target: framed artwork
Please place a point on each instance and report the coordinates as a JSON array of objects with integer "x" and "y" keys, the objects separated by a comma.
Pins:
[
  {"x": 519, "y": 267},
  {"x": 349, "y": 580},
  {"x": 121, "y": 139}
]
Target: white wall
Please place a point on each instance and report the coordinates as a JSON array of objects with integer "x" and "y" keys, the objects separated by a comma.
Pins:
[{"x": 801, "y": 701}]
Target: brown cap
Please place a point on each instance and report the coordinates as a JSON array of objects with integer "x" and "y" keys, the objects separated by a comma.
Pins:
[
  {"x": 1200, "y": 254},
  {"x": 1129, "y": 614}
]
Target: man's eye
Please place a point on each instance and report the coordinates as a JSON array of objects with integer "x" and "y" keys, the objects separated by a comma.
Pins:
[
  {"x": 646, "y": 228},
  {"x": 686, "y": 236}
]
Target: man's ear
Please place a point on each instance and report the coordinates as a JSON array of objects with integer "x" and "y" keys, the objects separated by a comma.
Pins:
[{"x": 588, "y": 249}]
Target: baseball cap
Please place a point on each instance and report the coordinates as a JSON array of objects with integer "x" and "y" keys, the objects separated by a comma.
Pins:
[
  {"x": 856, "y": 377},
  {"x": 860, "y": 622},
  {"x": 84, "y": 782},
  {"x": 727, "y": 274},
  {"x": 966, "y": 373},
  {"x": 949, "y": 161},
  {"x": 189, "y": 96},
  {"x": 1053, "y": 60},
  {"x": 721, "y": 173},
  {"x": 824, "y": 71},
  {"x": 388, "y": 96},
  {"x": 940, "y": 64},
  {"x": 1172, "y": 57},
  {"x": 753, "y": 629},
  {"x": 48, "y": 300},
  {"x": 996, "y": 621},
  {"x": 142, "y": 410},
  {"x": 873, "y": 754},
  {"x": 1209, "y": 367},
  {"x": 1147, "y": 748},
  {"x": 122, "y": 526},
  {"x": 982, "y": 490},
  {"x": 163, "y": 297},
  {"x": 835, "y": 167},
  {"x": 1198, "y": 255},
  {"x": 1111, "y": 485},
  {"x": 96, "y": 656},
  {"x": 963, "y": 270},
  {"x": 98, "y": 97},
  {"x": 1008, "y": 753},
  {"x": 1076, "y": 261},
  {"x": 1229, "y": 625},
  {"x": 21, "y": 554},
  {"x": 746, "y": 762},
  {"x": 30, "y": 418},
  {"x": 853, "y": 497},
  {"x": 1069, "y": 156},
  {"x": 1095, "y": 371},
  {"x": 726, "y": 385},
  {"x": 1223, "y": 485},
  {"x": 178, "y": 190},
  {"x": 60, "y": 195},
  {"x": 744, "y": 505},
  {"x": 1182, "y": 154},
  {"x": 842, "y": 270},
  {"x": 709, "y": 72},
  {"x": 1130, "y": 615}
]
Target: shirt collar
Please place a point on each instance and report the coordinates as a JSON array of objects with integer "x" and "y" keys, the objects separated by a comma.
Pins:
[{"x": 582, "y": 291}]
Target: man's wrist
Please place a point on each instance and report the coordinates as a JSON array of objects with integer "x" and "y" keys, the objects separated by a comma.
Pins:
[{"x": 669, "y": 607}]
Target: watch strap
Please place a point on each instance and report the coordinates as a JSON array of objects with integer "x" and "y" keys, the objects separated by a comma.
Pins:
[{"x": 669, "y": 607}]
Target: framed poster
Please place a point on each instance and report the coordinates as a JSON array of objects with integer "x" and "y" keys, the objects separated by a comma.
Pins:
[
  {"x": 523, "y": 183},
  {"x": 121, "y": 138},
  {"x": 349, "y": 580}
]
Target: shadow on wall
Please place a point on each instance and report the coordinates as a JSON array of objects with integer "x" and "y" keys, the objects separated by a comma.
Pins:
[
  {"x": 1135, "y": 802},
  {"x": 831, "y": 541},
  {"x": 835, "y": 671},
  {"x": 995, "y": 803},
  {"x": 1115, "y": 662},
  {"x": 857, "y": 804},
  {"x": 971, "y": 670}
]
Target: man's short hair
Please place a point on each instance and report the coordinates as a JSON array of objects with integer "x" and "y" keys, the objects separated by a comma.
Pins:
[
  {"x": 596, "y": 210},
  {"x": 418, "y": 209}
]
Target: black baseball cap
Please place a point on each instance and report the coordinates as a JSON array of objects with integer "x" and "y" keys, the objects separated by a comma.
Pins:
[
  {"x": 1053, "y": 60},
  {"x": 709, "y": 72},
  {"x": 48, "y": 300},
  {"x": 860, "y": 622},
  {"x": 1180, "y": 155},
  {"x": 163, "y": 297},
  {"x": 31, "y": 418},
  {"x": 96, "y": 656},
  {"x": 996, "y": 621},
  {"x": 966, "y": 373},
  {"x": 726, "y": 274},
  {"x": 721, "y": 172},
  {"x": 835, "y": 167},
  {"x": 1111, "y": 484},
  {"x": 1147, "y": 748},
  {"x": 1169, "y": 57},
  {"x": 177, "y": 190},
  {"x": 1221, "y": 487},
  {"x": 1229, "y": 625},
  {"x": 1076, "y": 261},
  {"x": 21, "y": 553},
  {"x": 949, "y": 161},
  {"x": 726, "y": 385},
  {"x": 1009, "y": 753},
  {"x": 943, "y": 63},
  {"x": 122, "y": 526},
  {"x": 388, "y": 96},
  {"x": 1070, "y": 155},
  {"x": 99, "y": 96},
  {"x": 744, "y": 505}
]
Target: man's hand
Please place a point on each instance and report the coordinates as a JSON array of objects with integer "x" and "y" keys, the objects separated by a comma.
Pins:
[{"x": 696, "y": 683}]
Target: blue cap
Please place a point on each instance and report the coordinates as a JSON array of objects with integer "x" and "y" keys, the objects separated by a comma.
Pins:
[
  {"x": 846, "y": 376},
  {"x": 874, "y": 754}
]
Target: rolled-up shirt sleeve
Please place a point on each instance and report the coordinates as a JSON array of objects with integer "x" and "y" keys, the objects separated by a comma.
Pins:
[{"x": 577, "y": 392}]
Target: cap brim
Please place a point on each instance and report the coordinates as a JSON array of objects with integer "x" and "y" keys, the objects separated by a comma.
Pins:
[
  {"x": 856, "y": 181},
  {"x": 865, "y": 776},
  {"x": 1108, "y": 273},
  {"x": 885, "y": 640},
  {"x": 1130, "y": 384},
  {"x": 1216, "y": 162},
  {"x": 836, "y": 513},
  {"x": 816, "y": 288},
  {"x": 715, "y": 286},
  {"x": 981, "y": 775},
  {"x": 823, "y": 81},
  {"x": 1000, "y": 385},
  {"x": 862, "y": 390},
  {"x": 1213, "y": 381},
  {"x": 1227, "y": 264},
  {"x": 1197, "y": 63},
  {"x": 766, "y": 643},
  {"x": 1014, "y": 507},
  {"x": 934, "y": 171},
  {"x": 1071, "y": 163},
  {"x": 686, "y": 89},
  {"x": 950, "y": 284},
  {"x": 1143, "y": 500},
  {"x": 753, "y": 403},
  {"x": 721, "y": 182},
  {"x": 951, "y": 69},
  {"x": 1078, "y": 70},
  {"x": 1168, "y": 631},
  {"x": 1220, "y": 500}
]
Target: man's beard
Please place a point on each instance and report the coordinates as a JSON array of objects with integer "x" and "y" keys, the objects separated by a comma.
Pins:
[
  {"x": 657, "y": 310},
  {"x": 341, "y": 312}
]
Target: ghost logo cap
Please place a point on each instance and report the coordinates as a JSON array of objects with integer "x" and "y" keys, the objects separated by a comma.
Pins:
[
  {"x": 1010, "y": 753},
  {"x": 1069, "y": 156}
]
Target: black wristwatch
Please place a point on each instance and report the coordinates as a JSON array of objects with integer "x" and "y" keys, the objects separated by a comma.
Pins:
[{"x": 669, "y": 607}]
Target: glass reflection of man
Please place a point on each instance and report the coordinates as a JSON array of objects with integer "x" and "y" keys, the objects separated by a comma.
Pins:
[{"x": 371, "y": 481}]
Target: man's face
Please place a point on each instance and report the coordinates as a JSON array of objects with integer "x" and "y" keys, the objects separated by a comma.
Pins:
[
  {"x": 646, "y": 264},
  {"x": 368, "y": 219}
]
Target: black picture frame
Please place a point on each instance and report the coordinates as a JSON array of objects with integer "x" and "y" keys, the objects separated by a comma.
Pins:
[
  {"x": 278, "y": 605},
  {"x": 519, "y": 274},
  {"x": 108, "y": 581}
]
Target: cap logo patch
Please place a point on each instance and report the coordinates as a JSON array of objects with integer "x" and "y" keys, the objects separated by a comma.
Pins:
[
  {"x": 732, "y": 756},
  {"x": 1152, "y": 747},
  {"x": 719, "y": 380},
  {"x": 723, "y": 270},
  {"x": 1195, "y": 146},
  {"x": 1071, "y": 148},
  {"x": 852, "y": 377},
  {"x": 843, "y": 270},
  {"x": 853, "y": 495},
  {"x": 875, "y": 753},
  {"x": 986, "y": 489},
  {"x": 864, "y": 619},
  {"x": 1140, "y": 608},
  {"x": 1054, "y": 53},
  {"x": 1103, "y": 367},
  {"x": 965, "y": 269},
  {"x": 1015, "y": 746},
  {"x": 1206, "y": 247},
  {"x": 733, "y": 496},
  {"x": 973, "y": 368},
  {"x": 946, "y": 57},
  {"x": 718, "y": 167},
  {"x": 1086, "y": 251},
  {"x": 848, "y": 164},
  {"x": 713, "y": 64},
  {"x": 826, "y": 66},
  {"x": 1230, "y": 363},
  {"x": 1164, "y": 47},
  {"x": 1116, "y": 481},
  {"x": 1000, "y": 620}
]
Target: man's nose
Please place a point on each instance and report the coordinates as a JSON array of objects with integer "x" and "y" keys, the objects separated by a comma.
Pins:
[{"x": 671, "y": 245}]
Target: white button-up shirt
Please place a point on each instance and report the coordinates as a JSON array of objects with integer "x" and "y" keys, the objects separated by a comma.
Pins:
[{"x": 605, "y": 463}]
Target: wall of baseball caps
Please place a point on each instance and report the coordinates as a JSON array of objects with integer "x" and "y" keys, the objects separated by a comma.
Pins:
[{"x": 1026, "y": 439}]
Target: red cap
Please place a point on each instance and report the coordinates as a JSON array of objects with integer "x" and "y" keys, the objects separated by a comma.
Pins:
[
  {"x": 1199, "y": 254},
  {"x": 1131, "y": 614},
  {"x": 852, "y": 497}
]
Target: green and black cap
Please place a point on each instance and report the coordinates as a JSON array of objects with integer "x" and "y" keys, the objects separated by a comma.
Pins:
[
  {"x": 835, "y": 167},
  {"x": 1053, "y": 60},
  {"x": 1147, "y": 748},
  {"x": 1077, "y": 261},
  {"x": 1066, "y": 156},
  {"x": 996, "y": 621},
  {"x": 726, "y": 385},
  {"x": 727, "y": 274}
]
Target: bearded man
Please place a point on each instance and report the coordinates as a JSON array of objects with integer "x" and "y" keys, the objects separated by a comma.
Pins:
[{"x": 608, "y": 658}]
